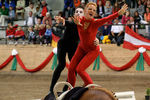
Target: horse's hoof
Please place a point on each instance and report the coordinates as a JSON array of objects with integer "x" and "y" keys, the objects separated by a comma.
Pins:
[{"x": 50, "y": 96}]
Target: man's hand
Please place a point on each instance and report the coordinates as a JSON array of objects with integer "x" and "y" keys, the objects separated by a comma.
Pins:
[{"x": 123, "y": 9}]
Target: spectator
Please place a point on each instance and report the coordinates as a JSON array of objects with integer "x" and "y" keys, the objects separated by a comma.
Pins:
[
  {"x": 20, "y": 8},
  {"x": 38, "y": 21},
  {"x": 106, "y": 29},
  {"x": 148, "y": 4},
  {"x": 36, "y": 32},
  {"x": 2, "y": 1},
  {"x": 147, "y": 19},
  {"x": 19, "y": 34},
  {"x": 32, "y": 36},
  {"x": 117, "y": 32},
  {"x": 115, "y": 7},
  {"x": 133, "y": 4},
  {"x": 4, "y": 14},
  {"x": 48, "y": 35},
  {"x": 44, "y": 9},
  {"x": 11, "y": 15},
  {"x": 58, "y": 29},
  {"x": 137, "y": 18},
  {"x": 38, "y": 13},
  {"x": 10, "y": 32},
  {"x": 30, "y": 21},
  {"x": 108, "y": 8},
  {"x": 93, "y": 1},
  {"x": 6, "y": 4},
  {"x": 133, "y": 26},
  {"x": 68, "y": 8},
  {"x": 29, "y": 9},
  {"x": 12, "y": 3},
  {"x": 77, "y": 3},
  {"x": 42, "y": 30},
  {"x": 100, "y": 9},
  {"x": 125, "y": 17},
  {"x": 140, "y": 8},
  {"x": 83, "y": 3},
  {"x": 104, "y": 32},
  {"x": 47, "y": 17}
]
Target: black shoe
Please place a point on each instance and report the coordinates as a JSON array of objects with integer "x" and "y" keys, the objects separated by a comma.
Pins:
[{"x": 50, "y": 96}]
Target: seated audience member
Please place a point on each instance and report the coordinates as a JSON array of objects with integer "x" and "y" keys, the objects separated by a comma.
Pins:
[
  {"x": 125, "y": 17},
  {"x": 106, "y": 31},
  {"x": 100, "y": 9},
  {"x": 30, "y": 21},
  {"x": 36, "y": 32},
  {"x": 19, "y": 34},
  {"x": 31, "y": 37},
  {"x": 29, "y": 9},
  {"x": 147, "y": 19},
  {"x": 117, "y": 32},
  {"x": 4, "y": 15},
  {"x": 12, "y": 3},
  {"x": 38, "y": 21},
  {"x": 44, "y": 9},
  {"x": 47, "y": 17},
  {"x": 137, "y": 18},
  {"x": 11, "y": 15},
  {"x": 68, "y": 8},
  {"x": 48, "y": 35},
  {"x": 20, "y": 8},
  {"x": 42, "y": 30},
  {"x": 10, "y": 32},
  {"x": 6, "y": 3},
  {"x": 148, "y": 4},
  {"x": 107, "y": 8},
  {"x": 115, "y": 7},
  {"x": 58, "y": 29},
  {"x": 38, "y": 13},
  {"x": 140, "y": 8},
  {"x": 132, "y": 24}
]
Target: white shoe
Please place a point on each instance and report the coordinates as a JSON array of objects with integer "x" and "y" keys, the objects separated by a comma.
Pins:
[
  {"x": 16, "y": 43},
  {"x": 23, "y": 43},
  {"x": 41, "y": 43}
]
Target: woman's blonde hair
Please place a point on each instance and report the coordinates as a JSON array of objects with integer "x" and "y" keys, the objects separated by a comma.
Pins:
[{"x": 91, "y": 3}]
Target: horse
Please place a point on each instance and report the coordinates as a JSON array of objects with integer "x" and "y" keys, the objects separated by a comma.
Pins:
[{"x": 90, "y": 92}]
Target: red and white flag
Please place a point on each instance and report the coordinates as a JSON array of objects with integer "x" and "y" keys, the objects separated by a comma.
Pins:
[{"x": 134, "y": 41}]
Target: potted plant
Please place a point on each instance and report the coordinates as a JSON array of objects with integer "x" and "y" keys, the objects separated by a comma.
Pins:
[{"x": 147, "y": 97}]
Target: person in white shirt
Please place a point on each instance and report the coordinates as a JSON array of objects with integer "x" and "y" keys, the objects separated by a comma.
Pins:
[
  {"x": 30, "y": 21},
  {"x": 117, "y": 32}
]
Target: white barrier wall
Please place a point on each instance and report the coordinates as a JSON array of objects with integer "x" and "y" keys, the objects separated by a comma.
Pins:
[{"x": 128, "y": 95}]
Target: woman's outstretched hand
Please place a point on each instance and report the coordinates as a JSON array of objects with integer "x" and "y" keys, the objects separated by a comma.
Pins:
[
  {"x": 123, "y": 9},
  {"x": 76, "y": 20}
]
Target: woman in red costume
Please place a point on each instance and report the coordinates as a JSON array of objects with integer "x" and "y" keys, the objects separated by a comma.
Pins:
[{"x": 86, "y": 52}]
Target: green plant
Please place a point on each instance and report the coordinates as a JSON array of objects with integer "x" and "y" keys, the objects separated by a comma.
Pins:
[{"x": 148, "y": 92}]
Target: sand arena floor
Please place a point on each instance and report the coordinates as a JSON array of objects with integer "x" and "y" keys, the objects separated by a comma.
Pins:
[{"x": 21, "y": 85}]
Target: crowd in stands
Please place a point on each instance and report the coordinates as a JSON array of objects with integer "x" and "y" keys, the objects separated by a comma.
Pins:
[{"x": 39, "y": 19}]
